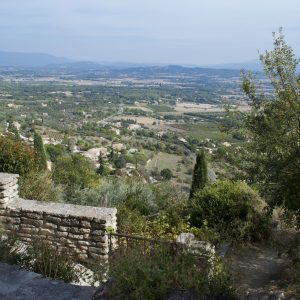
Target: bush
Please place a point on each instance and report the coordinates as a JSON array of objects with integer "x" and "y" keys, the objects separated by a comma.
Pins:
[
  {"x": 160, "y": 226},
  {"x": 75, "y": 172},
  {"x": 134, "y": 194},
  {"x": 157, "y": 275},
  {"x": 38, "y": 257},
  {"x": 16, "y": 156},
  {"x": 55, "y": 151},
  {"x": 9, "y": 250},
  {"x": 166, "y": 174},
  {"x": 120, "y": 162},
  {"x": 39, "y": 186},
  {"x": 232, "y": 209},
  {"x": 48, "y": 261}
]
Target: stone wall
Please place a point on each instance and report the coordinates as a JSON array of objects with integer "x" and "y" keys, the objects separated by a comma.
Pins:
[{"x": 80, "y": 231}]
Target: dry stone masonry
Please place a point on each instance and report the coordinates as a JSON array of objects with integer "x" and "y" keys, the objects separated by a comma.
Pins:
[
  {"x": 79, "y": 231},
  {"x": 8, "y": 187}
]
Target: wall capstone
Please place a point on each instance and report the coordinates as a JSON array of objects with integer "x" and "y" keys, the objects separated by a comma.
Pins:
[{"x": 79, "y": 231}]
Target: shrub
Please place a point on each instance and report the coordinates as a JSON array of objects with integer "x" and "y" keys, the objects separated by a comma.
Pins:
[
  {"x": 51, "y": 263},
  {"x": 55, "y": 151},
  {"x": 40, "y": 151},
  {"x": 120, "y": 162},
  {"x": 9, "y": 249},
  {"x": 159, "y": 226},
  {"x": 233, "y": 209},
  {"x": 16, "y": 156},
  {"x": 134, "y": 194},
  {"x": 40, "y": 186},
  {"x": 38, "y": 257},
  {"x": 166, "y": 174},
  {"x": 75, "y": 172},
  {"x": 199, "y": 174},
  {"x": 157, "y": 275}
]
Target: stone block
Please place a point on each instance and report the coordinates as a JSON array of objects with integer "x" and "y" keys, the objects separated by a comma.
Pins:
[
  {"x": 85, "y": 243},
  {"x": 85, "y": 224},
  {"x": 9, "y": 220},
  {"x": 3, "y": 212},
  {"x": 7, "y": 178},
  {"x": 98, "y": 257},
  {"x": 64, "y": 228},
  {"x": 34, "y": 222},
  {"x": 64, "y": 240},
  {"x": 102, "y": 239},
  {"x": 85, "y": 248},
  {"x": 46, "y": 232},
  {"x": 75, "y": 236},
  {"x": 15, "y": 213},
  {"x": 70, "y": 222},
  {"x": 12, "y": 228},
  {"x": 83, "y": 257},
  {"x": 50, "y": 226},
  {"x": 25, "y": 240},
  {"x": 61, "y": 234},
  {"x": 79, "y": 230},
  {"x": 98, "y": 232},
  {"x": 52, "y": 219},
  {"x": 9, "y": 192},
  {"x": 97, "y": 221},
  {"x": 29, "y": 230},
  {"x": 33, "y": 215},
  {"x": 4, "y": 200},
  {"x": 97, "y": 250},
  {"x": 26, "y": 235},
  {"x": 101, "y": 245},
  {"x": 27, "y": 225}
]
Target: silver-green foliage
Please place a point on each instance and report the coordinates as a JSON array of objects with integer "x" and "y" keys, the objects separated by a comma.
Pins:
[
  {"x": 115, "y": 192},
  {"x": 274, "y": 126}
]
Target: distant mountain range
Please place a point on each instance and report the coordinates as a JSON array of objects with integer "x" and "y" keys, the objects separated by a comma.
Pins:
[
  {"x": 37, "y": 60},
  {"x": 19, "y": 59},
  {"x": 253, "y": 65}
]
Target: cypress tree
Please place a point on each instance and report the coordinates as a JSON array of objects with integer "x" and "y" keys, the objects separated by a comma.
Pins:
[
  {"x": 102, "y": 170},
  {"x": 200, "y": 173},
  {"x": 40, "y": 151}
]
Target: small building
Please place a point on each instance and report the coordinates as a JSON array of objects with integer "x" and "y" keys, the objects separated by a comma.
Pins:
[
  {"x": 16, "y": 124},
  {"x": 118, "y": 147},
  {"x": 134, "y": 127},
  {"x": 116, "y": 131},
  {"x": 93, "y": 154},
  {"x": 226, "y": 144}
]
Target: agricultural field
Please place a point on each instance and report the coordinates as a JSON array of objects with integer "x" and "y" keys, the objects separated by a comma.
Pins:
[
  {"x": 161, "y": 113},
  {"x": 180, "y": 167},
  {"x": 202, "y": 130}
]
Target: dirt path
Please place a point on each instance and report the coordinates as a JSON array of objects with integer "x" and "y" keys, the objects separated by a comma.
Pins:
[{"x": 256, "y": 268}]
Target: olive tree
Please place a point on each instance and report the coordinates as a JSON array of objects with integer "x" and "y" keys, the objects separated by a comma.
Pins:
[{"x": 274, "y": 126}]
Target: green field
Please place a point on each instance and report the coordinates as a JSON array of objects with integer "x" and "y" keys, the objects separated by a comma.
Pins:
[
  {"x": 161, "y": 108},
  {"x": 173, "y": 162},
  {"x": 203, "y": 130}
]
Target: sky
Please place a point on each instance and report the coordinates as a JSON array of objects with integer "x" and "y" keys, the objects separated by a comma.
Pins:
[{"x": 197, "y": 32}]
